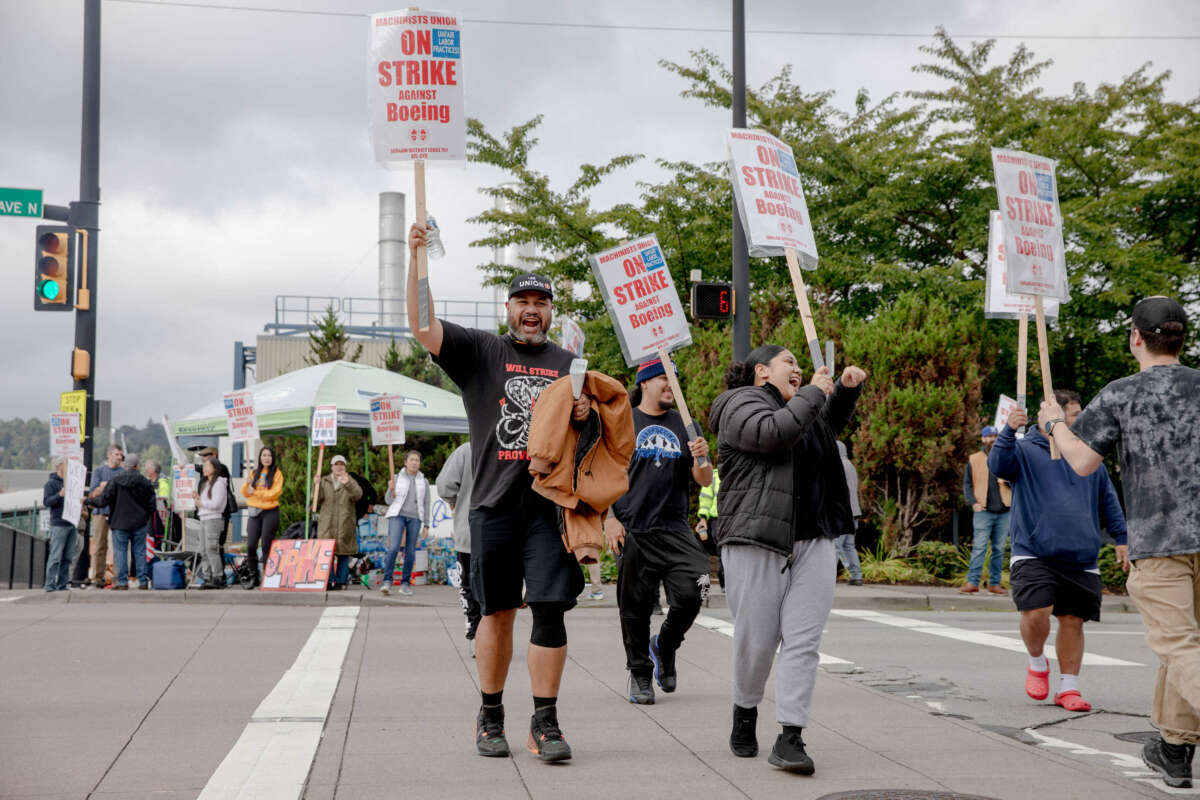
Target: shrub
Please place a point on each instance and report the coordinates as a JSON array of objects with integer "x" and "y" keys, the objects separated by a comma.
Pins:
[
  {"x": 1111, "y": 574},
  {"x": 942, "y": 560},
  {"x": 880, "y": 567}
]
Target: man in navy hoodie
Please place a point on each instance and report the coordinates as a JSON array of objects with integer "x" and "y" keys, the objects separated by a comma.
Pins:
[{"x": 1056, "y": 516}]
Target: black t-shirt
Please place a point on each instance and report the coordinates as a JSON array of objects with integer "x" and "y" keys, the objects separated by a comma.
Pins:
[
  {"x": 659, "y": 476},
  {"x": 500, "y": 380}
]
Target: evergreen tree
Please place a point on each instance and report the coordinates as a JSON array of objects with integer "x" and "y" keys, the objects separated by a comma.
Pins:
[{"x": 329, "y": 342}]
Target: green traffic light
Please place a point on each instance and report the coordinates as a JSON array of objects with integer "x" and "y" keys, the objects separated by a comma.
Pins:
[{"x": 48, "y": 290}]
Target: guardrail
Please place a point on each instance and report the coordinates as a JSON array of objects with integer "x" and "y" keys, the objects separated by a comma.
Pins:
[
  {"x": 297, "y": 314},
  {"x": 23, "y": 556}
]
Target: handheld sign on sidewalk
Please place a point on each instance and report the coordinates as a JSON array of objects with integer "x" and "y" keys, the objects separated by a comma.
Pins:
[
  {"x": 387, "y": 425},
  {"x": 240, "y": 417},
  {"x": 774, "y": 213},
  {"x": 1003, "y": 409},
  {"x": 998, "y": 303},
  {"x": 183, "y": 488},
  {"x": 572, "y": 336},
  {"x": 64, "y": 434},
  {"x": 645, "y": 309},
  {"x": 415, "y": 95},
  {"x": 298, "y": 565},
  {"x": 73, "y": 492},
  {"x": 324, "y": 432},
  {"x": 1034, "y": 252}
]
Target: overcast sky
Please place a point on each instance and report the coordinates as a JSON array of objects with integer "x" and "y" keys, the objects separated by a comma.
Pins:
[{"x": 235, "y": 163}]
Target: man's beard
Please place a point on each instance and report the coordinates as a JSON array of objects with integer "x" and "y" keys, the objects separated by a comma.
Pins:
[
  {"x": 533, "y": 339},
  {"x": 665, "y": 405}
]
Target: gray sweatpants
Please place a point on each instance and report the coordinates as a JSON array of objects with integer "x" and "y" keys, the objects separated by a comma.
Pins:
[{"x": 778, "y": 610}]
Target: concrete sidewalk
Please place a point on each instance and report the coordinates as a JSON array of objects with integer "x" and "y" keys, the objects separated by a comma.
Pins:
[
  {"x": 878, "y": 597},
  {"x": 402, "y": 725}
]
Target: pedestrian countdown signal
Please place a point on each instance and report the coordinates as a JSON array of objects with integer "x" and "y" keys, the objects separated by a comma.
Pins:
[
  {"x": 712, "y": 300},
  {"x": 54, "y": 269}
]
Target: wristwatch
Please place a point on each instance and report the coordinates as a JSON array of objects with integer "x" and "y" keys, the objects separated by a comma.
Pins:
[{"x": 1050, "y": 425}]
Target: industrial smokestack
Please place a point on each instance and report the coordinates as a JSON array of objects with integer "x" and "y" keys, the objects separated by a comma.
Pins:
[{"x": 392, "y": 251}]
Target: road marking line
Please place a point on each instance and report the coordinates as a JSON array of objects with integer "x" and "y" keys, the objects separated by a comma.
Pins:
[
  {"x": 1090, "y": 632},
  {"x": 726, "y": 628},
  {"x": 1129, "y": 766},
  {"x": 974, "y": 637},
  {"x": 271, "y": 759},
  {"x": 10, "y": 599}
]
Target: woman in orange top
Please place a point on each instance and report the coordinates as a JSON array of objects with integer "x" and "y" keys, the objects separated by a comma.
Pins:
[{"x": 262, "y": 490}]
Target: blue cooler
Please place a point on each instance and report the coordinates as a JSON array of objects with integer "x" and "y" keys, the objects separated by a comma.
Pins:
[{"x": 168, "y": 575}]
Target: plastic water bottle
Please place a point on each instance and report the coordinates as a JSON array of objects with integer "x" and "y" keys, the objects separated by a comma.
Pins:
[
  {"x": 229, "y": 576},
  {"x": 433, "y": 239}
]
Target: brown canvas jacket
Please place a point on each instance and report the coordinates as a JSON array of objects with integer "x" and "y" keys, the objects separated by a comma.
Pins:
[{"x": 583, "y": 469}]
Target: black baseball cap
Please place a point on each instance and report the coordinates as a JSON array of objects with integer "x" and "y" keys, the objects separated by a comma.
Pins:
[
  {"x": 530, "y": 282},
  {"x": 1151, "y": 313}
]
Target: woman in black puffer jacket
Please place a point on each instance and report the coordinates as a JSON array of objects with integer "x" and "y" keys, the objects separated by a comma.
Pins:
[{"x": 783, "y": 499}]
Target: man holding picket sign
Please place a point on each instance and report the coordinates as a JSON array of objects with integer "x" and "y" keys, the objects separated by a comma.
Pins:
[{"x": 515, "y": 536}]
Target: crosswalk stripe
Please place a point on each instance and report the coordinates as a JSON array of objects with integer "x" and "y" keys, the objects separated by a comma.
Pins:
[
  {"x": 974, "y": 637},
  {"x": 726, "y": 628}
]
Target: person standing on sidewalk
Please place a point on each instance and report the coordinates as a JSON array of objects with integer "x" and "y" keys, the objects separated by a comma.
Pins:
[
  {"x": 262, "y": 492},
  {"x": 211, "y": 497},
  {"x": 1056, "y": 518},
  {"x": 1150, "y": 417},
  {"x": 409, "y": 515},
  {"x": 101, "y": 475},
  {"x": 990, "y": 499},
  {"x": 454, "y": 484},
  {"x": 783, "y": 501},
  {"x": 62, "y": 533},
  {"x": 515, "y": 538},
  {"x": 337, "y": 493},
  {"x": 131, "y": 499},
  {"x": 653, "y": 542},
  {"x": 847, "y": 548}
]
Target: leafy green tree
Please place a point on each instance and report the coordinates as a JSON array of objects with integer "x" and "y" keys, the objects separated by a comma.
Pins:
[
  {"x": 899, "y": 191},
  {"x": 330, "y": 342},
  {"x": 418, "y": 365}
]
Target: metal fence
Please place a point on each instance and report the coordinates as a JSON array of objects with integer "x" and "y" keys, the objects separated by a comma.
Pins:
[
  {"x": 373, "y": 317},
  {"x": 23, "y": 555}
]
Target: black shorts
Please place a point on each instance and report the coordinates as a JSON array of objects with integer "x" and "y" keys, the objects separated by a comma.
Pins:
[
  {"x": 521, "y": 544},
  {"x": 1037, "y": 583}
]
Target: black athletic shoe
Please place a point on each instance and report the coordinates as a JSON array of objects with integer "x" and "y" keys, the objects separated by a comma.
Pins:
[
  {"x": 743, "y": 740},
  {"x": 1175, "y": 768},
  {"x": 664, "y": 665},
  {"x": 641, "y": 690},
  {"x": 489, "y": 732},
  {"x": 788, "y": 753},
  {"x": 545, "y": 737}
]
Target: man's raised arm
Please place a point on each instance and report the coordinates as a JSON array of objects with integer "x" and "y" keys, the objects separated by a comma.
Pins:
[{"x": 431, "y": 339}]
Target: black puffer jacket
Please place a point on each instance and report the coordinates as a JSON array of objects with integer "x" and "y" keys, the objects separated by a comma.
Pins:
[
  {"x": 130, "y": 495},
  {"x": 781, "y": 475}
]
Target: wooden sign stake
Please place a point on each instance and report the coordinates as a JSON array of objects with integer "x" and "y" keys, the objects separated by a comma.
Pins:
[
  {"x": 689, "y": 424},
  {"x": 806, "y": 317},
  {"x": 1022, "y": 362},
  {"x": 1044, "y": 360},
  {"x": 422, "y": 265},
  {"x": 320, "y": 465},
  {"x": 391, "y": 467}
]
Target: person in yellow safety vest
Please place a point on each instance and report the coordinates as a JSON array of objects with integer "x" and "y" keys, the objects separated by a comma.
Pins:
[{"x": 708, "y": 512}]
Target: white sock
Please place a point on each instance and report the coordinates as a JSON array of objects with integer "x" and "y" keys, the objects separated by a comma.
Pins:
[
  {"x": 1068, "y": 683},
  {"x": 1039, "y": 663}
]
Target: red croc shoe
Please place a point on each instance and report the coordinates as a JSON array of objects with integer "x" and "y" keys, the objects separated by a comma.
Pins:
[
  {"x": 1037, "y": 684},
  {"x": 1072, "y": 701}
]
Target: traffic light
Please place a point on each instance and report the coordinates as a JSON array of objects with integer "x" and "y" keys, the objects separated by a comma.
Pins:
[
  {"x": 712, "y": 300},
  {"x": 54, "y": 270}
]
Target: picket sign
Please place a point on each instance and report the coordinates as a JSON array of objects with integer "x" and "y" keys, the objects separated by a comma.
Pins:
[
  {"x": 774, "y": 214},
  {"x": 1034, "y": 251},
  {"x": 423, "y": 309},
  {"x": 1003, "y": 410},
  {"x": 645, "y": 310},
  {"x": 323, "y": 431}
]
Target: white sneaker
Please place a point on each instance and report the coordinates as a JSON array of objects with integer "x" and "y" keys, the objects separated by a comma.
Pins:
[
  {"x": 385, "y": 590},
  {"x": 596, "y": 594},
  {"x": 405, "y": 589}
]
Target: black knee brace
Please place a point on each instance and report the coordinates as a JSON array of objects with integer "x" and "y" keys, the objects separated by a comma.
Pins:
[{"x": 549, "y": 629}]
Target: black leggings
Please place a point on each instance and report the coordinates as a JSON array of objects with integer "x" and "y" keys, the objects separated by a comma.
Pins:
[{"x": 261, "y": 528}]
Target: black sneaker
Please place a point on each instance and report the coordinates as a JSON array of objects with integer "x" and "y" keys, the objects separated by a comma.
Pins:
[
  {"x": 545, "y": 737},
  {"x": 664, "y": 665},
  {"x": 1175, "y": 768},
  {"x": 742, "y": 740},
  {"x": 788, "y": 753},
  {"x": 641, "y": 690},
  {"x": 489, "y": 732}
]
